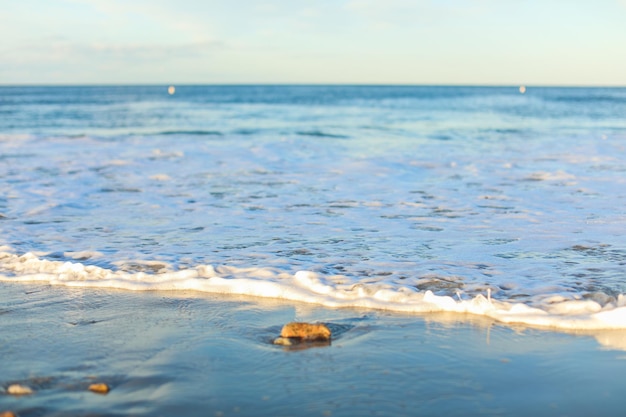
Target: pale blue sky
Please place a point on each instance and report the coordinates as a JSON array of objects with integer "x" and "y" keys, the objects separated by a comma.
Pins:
[{"x": 502, "y": 42}]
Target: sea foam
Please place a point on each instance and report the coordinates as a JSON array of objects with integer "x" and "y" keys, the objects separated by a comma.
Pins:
[{"x": 311, "y": 287}]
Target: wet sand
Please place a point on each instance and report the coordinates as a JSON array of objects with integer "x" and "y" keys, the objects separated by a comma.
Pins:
[{"x": 193, "y": 354}]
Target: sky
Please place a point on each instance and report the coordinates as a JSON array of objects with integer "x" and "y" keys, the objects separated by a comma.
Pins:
[{"x": 467, "y": 42}]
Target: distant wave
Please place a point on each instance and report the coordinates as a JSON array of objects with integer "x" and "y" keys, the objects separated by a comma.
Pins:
[
  {"x": 120, "y": 190},
  {"x": 586, "y": 98},
  {"x": 190, "y": 132},
  {"x": 247, "y": 131},
  {"x": 320, "y": 134}
]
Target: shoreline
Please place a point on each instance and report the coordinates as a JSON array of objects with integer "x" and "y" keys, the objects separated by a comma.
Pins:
[
  {"x": 595, "y": 313},
  {"x": 189, "y": 353}
]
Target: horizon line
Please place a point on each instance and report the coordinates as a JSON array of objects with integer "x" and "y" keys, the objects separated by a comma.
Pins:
[{"x": 310, "y": 84}]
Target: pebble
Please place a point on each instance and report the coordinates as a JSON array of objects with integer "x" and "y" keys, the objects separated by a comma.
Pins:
[
  {"x": 7, "y": 414},
  {"x": 100, "y": 388},
  {"x": 17, "y": 389},
  {"x": 296, "y": 332},
  {"x": 306, "y": 331},
  {"x": 283, "y": 341}
]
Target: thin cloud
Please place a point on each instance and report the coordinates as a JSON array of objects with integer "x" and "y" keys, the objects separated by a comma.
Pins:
[
  {"x": 171, "y": 16},
  {"x": 400, "y": 12},
  {"x": 151, "y": 51},
  {"x": 55, "y": 49}
]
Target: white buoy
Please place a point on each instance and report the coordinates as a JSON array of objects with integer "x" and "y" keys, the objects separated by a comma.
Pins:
[
  {"x": 522, "y": 89},
  {"x": 171, "y": 90}
]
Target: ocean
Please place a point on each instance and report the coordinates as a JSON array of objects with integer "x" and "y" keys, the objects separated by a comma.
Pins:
[{"x": 406, "y": 199}]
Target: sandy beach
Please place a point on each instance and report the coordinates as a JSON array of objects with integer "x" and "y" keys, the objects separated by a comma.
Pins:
[
  {"x": 312, "y": 209},
  {"x": 193, "y": 354}
]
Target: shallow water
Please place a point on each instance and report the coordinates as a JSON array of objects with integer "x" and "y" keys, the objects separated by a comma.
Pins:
[
  {"x": 193, "y": 354},
  {"x": 467, "y": 199}
]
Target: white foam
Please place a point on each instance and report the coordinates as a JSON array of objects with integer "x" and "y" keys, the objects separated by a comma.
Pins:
[
  {"x": 117, "y": 163},
  {"x": 82, "y": 255},
  {"x": 309, "y": 287},
  {"x": 551, "y": 176},
  {"x": 160, "y": 177}
]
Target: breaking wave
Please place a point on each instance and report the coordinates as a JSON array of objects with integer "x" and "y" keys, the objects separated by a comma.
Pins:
[{"x": 333, "y": 291}]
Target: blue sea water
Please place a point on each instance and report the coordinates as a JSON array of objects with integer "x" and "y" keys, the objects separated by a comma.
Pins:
[{"x": 408, "y": 198}]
